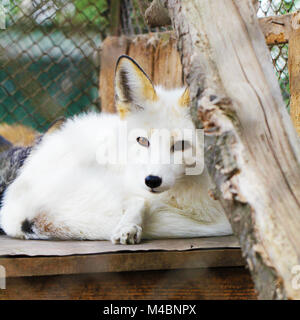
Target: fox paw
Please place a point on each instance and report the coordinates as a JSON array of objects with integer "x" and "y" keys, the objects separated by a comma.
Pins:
[{"x": 127, "y": 234}]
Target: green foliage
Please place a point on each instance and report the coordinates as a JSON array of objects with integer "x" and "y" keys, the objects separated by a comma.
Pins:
[
  {"x": 85, "y": 11},
  {"x": 286, "y": 6},
  {"x": 77, "y": 12},
  {"x": 13, "y": 12},
  {"x": 272, "y": 7}
]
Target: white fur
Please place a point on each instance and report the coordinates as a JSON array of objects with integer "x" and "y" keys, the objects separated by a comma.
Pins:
[{"x": 75, "y": 197}]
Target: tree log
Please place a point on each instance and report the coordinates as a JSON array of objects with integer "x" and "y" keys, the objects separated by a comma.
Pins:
[
  {"x": 157, "y": 15},
  {"x": 252, "y": 153}
]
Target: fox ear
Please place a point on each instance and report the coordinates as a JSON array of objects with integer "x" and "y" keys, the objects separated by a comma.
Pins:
[
  {"x": 184, "y": 100},
  {"x": 132, "y": 85}
]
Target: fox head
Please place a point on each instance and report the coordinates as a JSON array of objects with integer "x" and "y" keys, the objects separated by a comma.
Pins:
[{"x": 159, "y": 125}]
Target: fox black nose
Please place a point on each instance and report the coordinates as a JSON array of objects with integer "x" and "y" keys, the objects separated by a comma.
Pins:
[{"x": 153, "y": 181}]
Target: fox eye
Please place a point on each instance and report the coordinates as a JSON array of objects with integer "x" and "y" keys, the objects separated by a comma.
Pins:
[
  {"x": 143, "y": 141},
  {"x": 180, "y": 145}
]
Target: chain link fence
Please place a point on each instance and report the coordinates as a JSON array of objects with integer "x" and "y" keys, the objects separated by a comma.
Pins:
[
  {"x": 49, "y": 57},
  {"x": 49, "y": 53},
  {"x": 279, "y": 53}
]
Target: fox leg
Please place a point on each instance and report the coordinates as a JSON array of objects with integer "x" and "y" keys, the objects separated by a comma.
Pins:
[{"x": 129, "y": 229}]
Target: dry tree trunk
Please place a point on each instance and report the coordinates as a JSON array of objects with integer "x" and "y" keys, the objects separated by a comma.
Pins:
[
  {"x": 253, "y": 154},
  {"x": 157, "y": 14}
]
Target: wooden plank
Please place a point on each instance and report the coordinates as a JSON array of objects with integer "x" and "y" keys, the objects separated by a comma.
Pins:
[
  {"x": 294, "y": 71},
  {"x": 111, "y": 49},
  {"x": 18, "y": 247},
  {"x": 142, "y": 49},
  {"x": 212, "y": 283},
  {"x": 117, "y": 262},
  {"x": 278, "y": 29},
  {"x": 167, "y": 64}
]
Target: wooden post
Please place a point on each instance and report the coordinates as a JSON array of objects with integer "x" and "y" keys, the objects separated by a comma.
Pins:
[
  {"x": 253, "y": 154},
  {"x": 294, "y": 71}
]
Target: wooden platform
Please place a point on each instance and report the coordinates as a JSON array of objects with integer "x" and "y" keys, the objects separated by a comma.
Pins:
[{"x": 204, "y": 268}]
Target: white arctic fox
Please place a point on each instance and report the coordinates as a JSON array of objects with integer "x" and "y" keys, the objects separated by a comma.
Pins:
[{"x": 65, "y": 191}]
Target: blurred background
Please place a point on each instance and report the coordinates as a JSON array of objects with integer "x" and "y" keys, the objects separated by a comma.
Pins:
[{"x": 50, "y": 53}]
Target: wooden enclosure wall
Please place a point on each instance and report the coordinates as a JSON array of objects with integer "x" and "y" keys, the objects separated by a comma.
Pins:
[{"x": 156, "y": 54}]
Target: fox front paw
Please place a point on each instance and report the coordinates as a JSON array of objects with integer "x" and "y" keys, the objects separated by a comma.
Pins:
[{"x": 127, "y": 234}]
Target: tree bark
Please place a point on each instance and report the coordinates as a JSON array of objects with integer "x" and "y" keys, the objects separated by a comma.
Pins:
[
  {"x": 157, "y": 15},
  {"x": 252, "y": 150}
]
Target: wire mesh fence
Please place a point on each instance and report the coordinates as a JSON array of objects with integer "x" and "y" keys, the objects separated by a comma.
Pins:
[
  {"x": 279, "y": 53},
  {"x": 49, "y": 53},
  {"x": 49, "y": 59}
]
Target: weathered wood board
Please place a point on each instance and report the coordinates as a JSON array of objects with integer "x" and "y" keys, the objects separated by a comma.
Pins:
[
  {"x": 278, "y": 29},
  {"x": 121, "y": 262},
  {"x": 17, "y": 247},
  {"x": 294, "y": 71},
  {"x": 184, "y": 284},
  {"x": 156, "y": 53},
  {"x": 112, "y": 48}
]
